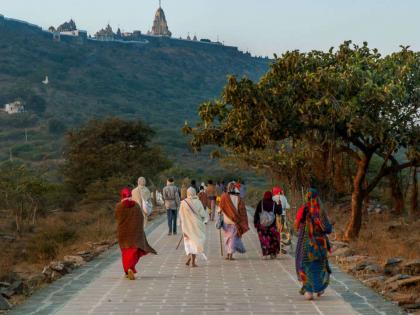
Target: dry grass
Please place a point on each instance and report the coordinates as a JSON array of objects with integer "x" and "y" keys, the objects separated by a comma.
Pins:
[
  {"x": 54, "y": 236},
  {"x": 382, "y": 235}
]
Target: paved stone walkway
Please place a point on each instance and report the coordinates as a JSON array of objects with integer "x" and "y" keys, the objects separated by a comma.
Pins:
[{"x": 248, "y": 285}]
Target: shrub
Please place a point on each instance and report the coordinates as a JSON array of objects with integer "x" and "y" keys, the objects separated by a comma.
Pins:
[{"x": 111, "y": 148}]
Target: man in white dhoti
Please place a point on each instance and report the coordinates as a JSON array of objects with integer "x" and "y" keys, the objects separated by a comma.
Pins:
[{"x": 192, "y": 217}]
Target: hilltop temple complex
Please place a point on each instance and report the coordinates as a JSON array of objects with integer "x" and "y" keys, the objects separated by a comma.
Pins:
[
  {"x": 159, "y": 33},
  {"x": 160, "y": 26}
]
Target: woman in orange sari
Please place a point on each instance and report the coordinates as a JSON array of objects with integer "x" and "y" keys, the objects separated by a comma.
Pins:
[{"x": 235, "y": 220}]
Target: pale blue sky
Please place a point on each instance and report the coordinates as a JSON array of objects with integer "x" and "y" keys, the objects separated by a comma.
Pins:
[{"x": 263, "y": 27}]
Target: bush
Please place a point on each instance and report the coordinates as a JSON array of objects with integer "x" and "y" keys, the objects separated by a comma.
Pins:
[
  {"x": 54, "y": 235},
  {"x": 112, "y": 148},
  {"x": 56, "y": 126}
]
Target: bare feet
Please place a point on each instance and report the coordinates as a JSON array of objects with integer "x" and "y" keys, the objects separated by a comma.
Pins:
[
  {"x": 309, "y": 296},
  {"x": 188, "y": 261},
  {"x": 130, "y": 275},
  {"x": 193, "y": 264},
  {"x": 229, "y": 257}
]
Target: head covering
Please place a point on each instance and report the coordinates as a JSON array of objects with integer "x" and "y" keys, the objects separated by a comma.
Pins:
[
  {"x": 191, "y": 193},
  {"x": 126, "y": 198},
  {"x": 232, "y": 188},
  {"x": 277, "y": 190},
  {"x": 313, "y": 208},
  {"x": 312, "y": 201},
  {"x": 267, "y": 201},
  {"x": 268, "y": 195},
  {"x": 141, "y": 181},
  {"x": 311, "y": 194}
]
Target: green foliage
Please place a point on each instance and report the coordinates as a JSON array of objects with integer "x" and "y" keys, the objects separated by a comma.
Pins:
[
  {"x": 342, "y": 93},
  {"x": 160, "y": 84},
  {"x": 36, "y": 104},
  {"x": 352, "y": 100},
  {"x": 102, "y": 191},
  {"x": 23, "y": 192},
  {"x": 56, "y": 126},
  {"x": 111, "y": 148}
]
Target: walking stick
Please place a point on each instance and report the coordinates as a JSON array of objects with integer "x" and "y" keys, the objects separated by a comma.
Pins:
[
  {"x": 179, "y": 243},
  {"x": 221, "y": 244}
]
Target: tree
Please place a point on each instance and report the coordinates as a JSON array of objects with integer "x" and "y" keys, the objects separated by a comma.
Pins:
[
  {"x": 56, "y": 126},
  {"x": 353, "y": 99},
  {"x": 23, "y": 192},
  {"x": 110, "y": 148},
  {"x": 36, "y": 104}
]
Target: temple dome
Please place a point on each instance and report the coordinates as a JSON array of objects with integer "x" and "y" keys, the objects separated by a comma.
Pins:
[{"x": 160, "y": 26}]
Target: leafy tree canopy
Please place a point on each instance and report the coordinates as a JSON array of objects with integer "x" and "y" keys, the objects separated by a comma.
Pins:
[
  {"x": 356, "y": 99},
  {"x": 110, "y": 148}
]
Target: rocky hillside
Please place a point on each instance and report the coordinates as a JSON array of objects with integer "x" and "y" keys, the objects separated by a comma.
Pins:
[{"x": 160, "y": 82}]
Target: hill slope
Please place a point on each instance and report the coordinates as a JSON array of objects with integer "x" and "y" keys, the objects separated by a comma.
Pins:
[{"x": 162, "y": 82}]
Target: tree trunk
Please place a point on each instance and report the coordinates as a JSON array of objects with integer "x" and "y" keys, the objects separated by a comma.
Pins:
[
  {"x": 34, "y": 215},
  {"x": 414, "y": 196},
  {"x": 366, "y": 201},
  {"x": 397, "y": 194},
  {"x": 357, "y": 196}
]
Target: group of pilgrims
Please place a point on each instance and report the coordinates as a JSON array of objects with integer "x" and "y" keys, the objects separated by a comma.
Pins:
[{"x": 222, "y": 206}]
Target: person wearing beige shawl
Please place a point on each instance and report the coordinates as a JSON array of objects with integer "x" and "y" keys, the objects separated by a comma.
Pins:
[
  {"x": 140, "y": 193},
  {"x": 192, "y": 217}
]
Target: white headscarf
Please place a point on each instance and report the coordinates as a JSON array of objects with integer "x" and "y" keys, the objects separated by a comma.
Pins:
[
  {"x": 141, "y": 181},
  {"x": 191, "y": 193}
]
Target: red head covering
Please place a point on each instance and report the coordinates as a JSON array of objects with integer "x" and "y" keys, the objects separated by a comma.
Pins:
[
  {"x": 126, "y": 198},
  {"x": 277, "y": 190},
  {"x": 268, "y": 195}
]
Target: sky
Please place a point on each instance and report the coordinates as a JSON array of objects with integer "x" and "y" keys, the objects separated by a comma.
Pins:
[{"x": 262, "y": 27}]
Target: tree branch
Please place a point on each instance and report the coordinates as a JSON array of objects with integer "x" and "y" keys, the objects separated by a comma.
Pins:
[
  {"x": 388, "y": 170},
  {"x": 353, "y": 154}
]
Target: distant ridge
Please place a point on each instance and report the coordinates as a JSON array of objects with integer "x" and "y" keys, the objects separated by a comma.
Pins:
[{"x": 162, "y": 82}]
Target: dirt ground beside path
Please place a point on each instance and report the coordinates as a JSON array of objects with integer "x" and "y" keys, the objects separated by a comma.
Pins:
[{"x": 386, "y": 257}]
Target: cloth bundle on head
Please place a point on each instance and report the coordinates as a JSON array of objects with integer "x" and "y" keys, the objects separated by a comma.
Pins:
[{"x": 126, "y": 198}]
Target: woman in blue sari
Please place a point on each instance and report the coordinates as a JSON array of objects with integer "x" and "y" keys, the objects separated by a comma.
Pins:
[{"x": 313, "y": 226}]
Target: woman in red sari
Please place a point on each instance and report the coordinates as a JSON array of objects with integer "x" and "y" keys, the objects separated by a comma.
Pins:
[{"x": 131, "y": 236}]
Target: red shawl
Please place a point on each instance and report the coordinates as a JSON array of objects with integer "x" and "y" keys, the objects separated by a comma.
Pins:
[{"x": 239, "y": 216}]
